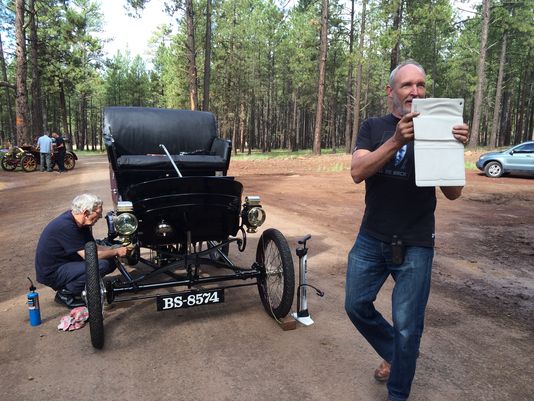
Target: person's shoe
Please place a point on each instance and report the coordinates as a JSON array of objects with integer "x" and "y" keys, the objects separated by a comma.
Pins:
[
  {"x": 382, "y": 373},
  {"x": 66, "y": 298}
]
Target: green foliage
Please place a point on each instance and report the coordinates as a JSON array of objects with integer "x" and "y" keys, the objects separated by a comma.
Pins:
[{"x": 264, "y": 62}]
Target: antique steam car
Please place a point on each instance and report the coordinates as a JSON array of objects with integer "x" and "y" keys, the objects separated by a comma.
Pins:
[{"x": 182, "y": 217}]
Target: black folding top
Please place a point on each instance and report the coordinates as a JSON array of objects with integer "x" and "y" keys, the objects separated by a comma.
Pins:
[{"x": 140, "y": 130}]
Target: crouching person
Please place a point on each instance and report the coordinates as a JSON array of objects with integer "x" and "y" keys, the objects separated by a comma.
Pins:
[{"x": 60, "y": 254}]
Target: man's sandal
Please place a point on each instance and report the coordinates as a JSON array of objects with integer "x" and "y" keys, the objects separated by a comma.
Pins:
[{"x": 382, "y": 373}]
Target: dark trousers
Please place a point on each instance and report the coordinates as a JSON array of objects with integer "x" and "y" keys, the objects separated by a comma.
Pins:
[
  {"x": 71, "y": 276},
  {"x": 60, "y": 160}
]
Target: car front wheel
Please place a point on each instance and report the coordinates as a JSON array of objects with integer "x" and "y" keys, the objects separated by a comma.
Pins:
[
  {"x": 94, "y": 295},
  {"x": 277, "y": 282},
  {"x": 69, "y": 161},
  {"x": 493, "y": 169}
]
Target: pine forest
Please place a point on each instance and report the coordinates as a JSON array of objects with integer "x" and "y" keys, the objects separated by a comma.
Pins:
[{"x": 277, "y": 74}]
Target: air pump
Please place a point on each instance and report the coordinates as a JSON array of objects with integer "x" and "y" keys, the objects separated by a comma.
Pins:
[{"x": 303, "y": 315}]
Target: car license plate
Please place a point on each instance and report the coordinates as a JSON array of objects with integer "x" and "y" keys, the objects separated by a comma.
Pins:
[{"x": 188, "y": 299}]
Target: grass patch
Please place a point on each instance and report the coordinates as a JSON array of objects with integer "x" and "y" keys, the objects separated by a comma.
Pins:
[
  {"x": 470, "y": 166},
  {"x": 281, "y": 153},
  {"x": 89, "y": 152},
  {"x": 334, "y": 168}
]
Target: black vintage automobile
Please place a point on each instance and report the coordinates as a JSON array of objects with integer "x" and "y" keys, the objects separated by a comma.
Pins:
[{"x": 182, "y": 217}]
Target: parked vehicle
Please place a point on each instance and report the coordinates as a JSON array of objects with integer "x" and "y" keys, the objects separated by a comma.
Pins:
[
  {"x": 516, "y": 160},
  {"x": 70, "y": 157},
  {"x": 18, "y": 156},
  {"x": 28, "y": 157},
  {"x": 182, "y": 217}
]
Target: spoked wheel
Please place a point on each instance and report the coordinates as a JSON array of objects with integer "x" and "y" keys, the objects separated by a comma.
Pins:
[
  {"x": 69, "y": 161},
  {"x": 7, "y": 164},
  {"x": 94, "y": 294},
  {"x": 29, "y": 163},
  {"x": 277, "y": 283}
]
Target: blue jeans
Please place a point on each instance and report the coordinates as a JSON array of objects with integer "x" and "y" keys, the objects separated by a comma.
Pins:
[
  {"x": 46, "y": 161},
  {"x": 369, "y": 266}
]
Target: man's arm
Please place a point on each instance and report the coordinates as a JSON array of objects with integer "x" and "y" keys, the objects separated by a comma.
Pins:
[
  {"x": 107, "y": 253},
  {"x": 366, "y": 163}
]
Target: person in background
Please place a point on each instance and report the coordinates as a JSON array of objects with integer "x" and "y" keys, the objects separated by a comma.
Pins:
[
  {"x": 396, "y": 236},
  {"x": 60, "y": 254},
  {"x": 44, "y": 144},
  {"x": 59, "y": 150}
]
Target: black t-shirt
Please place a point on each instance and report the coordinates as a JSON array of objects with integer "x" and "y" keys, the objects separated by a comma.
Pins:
[
  {"x": 59, "y": 244},
  {"x": 394, "y": 205},
  {"x": 60, "y": 141}
]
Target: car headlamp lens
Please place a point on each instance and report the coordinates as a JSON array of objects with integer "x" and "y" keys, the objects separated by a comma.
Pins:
[
  {"x": 126, "y": 223},
  {"x": 255, "y": 216}
]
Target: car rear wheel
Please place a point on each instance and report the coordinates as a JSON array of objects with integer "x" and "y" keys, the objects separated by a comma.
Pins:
[
  {"x": 69, "y": 161},
  {"x": 7, "y": 164},
  {"x": 29, "y": 163},
  {"x": 94, "y": 294},
  {"x": 277, "y": 282},
  {"x": 493, "y": 169}
]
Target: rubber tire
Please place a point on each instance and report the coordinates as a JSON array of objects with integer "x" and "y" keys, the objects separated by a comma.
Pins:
[
  {"x": 6, "y": 166},
  {"x": 29, "y": 163},
  {"x": 69, "y": 162},
  {"x": 493, "y": 169},
  {"x": 273, "y": 245},
  {"x": 94, "y": 294}
]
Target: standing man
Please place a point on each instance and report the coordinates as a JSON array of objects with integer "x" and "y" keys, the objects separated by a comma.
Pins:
[
  {"x": 397, "y": 233},
  {"x": 59, "y": 147},
  {"x": 44, "y": 144},
  {"x": 60, "y": 254}
]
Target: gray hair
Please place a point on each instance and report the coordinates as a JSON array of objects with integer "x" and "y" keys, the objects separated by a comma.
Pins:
[
  {"x": 403, "y": 64},
  {"x": 85, "y": 202}
]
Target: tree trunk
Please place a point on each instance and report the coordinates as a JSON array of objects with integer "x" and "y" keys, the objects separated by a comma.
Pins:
[
  {"x": 397, "y": 23},
  {"x": 242, "y": 127},
  {"x": 9, "y": 96},
  {"x": 293, "y": 132},
  {"x": 22, "y": 111},
  {"x": 64, "y": 113},
  {"x": 322, "y": 74},
  {"x": 207, "y": 59},
  {"x": 82, "y": 125},
  {"x": 521, "y": 110},
  {"x": 479, "y": 95},
  {"x": 498, "y": 94},
  {"x": 359, "y": 77},
  {"x": 37, "y": 102},
  {"x": 349, "y": 103},
  {"x": 191, "y": 58}
]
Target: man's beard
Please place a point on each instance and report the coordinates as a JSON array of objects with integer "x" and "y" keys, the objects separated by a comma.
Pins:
[{"x": 398, "y": 106}]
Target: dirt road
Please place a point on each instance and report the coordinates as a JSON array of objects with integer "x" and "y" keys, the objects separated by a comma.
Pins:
[{"x": 479, "y": 335}]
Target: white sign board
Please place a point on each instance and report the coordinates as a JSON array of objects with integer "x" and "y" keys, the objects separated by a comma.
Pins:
[{"x": 439, "y": 157}]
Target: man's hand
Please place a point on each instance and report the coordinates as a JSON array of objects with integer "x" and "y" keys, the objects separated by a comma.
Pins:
[
  {"x": 461, "y": 133},
  {"x": 405, "y": 132},
  {"x": 122, "y": 251}
]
